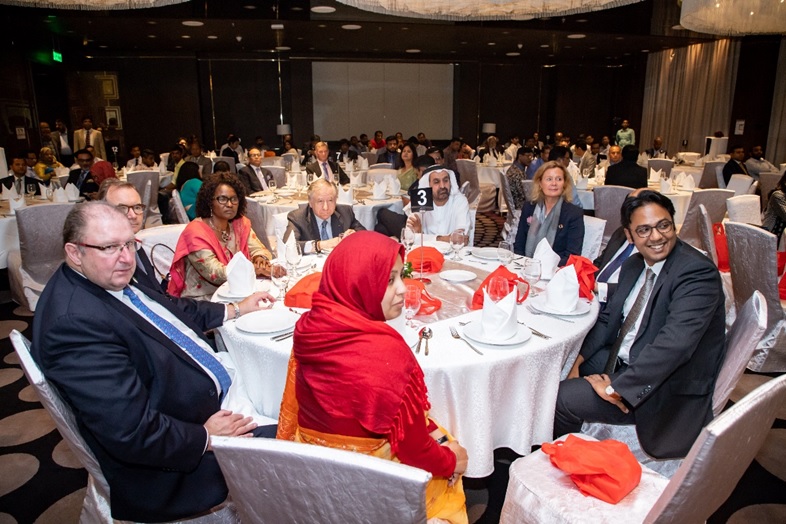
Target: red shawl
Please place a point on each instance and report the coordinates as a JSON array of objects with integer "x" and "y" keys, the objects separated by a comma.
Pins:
[
  {"x": 352, "y": 363},
  {"x": 199, "y": 235}
]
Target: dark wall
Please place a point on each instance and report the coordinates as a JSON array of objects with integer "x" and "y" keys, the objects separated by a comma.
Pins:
[{"x": 16, "y": 104}]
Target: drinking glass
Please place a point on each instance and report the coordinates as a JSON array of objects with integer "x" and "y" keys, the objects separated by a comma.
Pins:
[
  {"x": 272, "y": 185},
  {"x": 505, "y": 252},
  {"x": 293, "y": 255},
  {"x": 411, "y": 303},
  {"x": 531, "y": 273},
  {"x": 456, "y": 243},
  {"x": 407, "y": 238},
  {"x": 30, "y": 191},
  {"x": 280, "y": 277},
  {"x": 498, "y": 288},
  {"x": 310, "y": 178}
]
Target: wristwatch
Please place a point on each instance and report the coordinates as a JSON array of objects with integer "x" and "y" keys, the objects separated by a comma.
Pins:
[
  {"x": 613, "y": 394},
  {"x": 237, "y": 310}
]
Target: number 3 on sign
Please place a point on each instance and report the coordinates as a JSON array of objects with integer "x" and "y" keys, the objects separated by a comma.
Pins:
[{"x": 422, "y": 199}]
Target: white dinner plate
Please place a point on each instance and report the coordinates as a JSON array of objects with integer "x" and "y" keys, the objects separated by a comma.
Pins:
[
  {"x": 379, "y": 198},
  {"x": 488, "y": 253},
  {"x": 458, "y": 275},
  {"x": 539, "y": 303},
  {"x": 474, "y": 332},
  {"x": 286, "y": 192},
  {"x": 442, "y": 247},
  {"x": 267, "y": 321},
  {"x": 223, "y": 291}
]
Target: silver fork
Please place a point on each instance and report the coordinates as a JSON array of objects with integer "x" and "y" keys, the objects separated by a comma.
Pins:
[
  {"x": 536, "y": 312},
  {"x": 535, "y": 331},
  {"x": 454, "y": 334}
]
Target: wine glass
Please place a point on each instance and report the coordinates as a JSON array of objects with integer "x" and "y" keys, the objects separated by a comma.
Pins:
[
  {"x": 531, "y": 273},
  {"x": 294, "y": 254},
  {"x": 498, "y": 288},
  {"x": 407, "y": 238},
  {"x": 505, "y": 252},
  {"x": 411, "y": 303},
  {"x": 280, "y": 277},
  {"x": 272, "y": 185},
  {"x": 30, "y": 191},
  {"x": 310, "y": 178},
  {"x": 456, "y": 243}
]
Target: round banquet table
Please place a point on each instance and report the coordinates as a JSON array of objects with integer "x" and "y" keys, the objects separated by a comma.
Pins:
[
  {"x": 680, "y": 198},
  {"x": 490, "y": 175},
  {"x": 504, "y": 398}
]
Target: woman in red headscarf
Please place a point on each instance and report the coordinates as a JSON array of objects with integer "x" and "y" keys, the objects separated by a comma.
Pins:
[{"x": 354, "y": 383}]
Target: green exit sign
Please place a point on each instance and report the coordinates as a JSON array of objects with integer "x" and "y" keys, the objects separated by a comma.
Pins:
[{"x": 57, "y": 57}]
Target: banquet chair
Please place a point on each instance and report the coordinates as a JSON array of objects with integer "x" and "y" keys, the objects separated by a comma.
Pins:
[
  {"x": 740, "y": 184},
  {"x": 256, "y": 215},
  {"x": 180, "y": 210},
  {"x": 290, "y": 158},
  {"x": 753, "y": 265},
  {"x": 370, "y": 157},
  {"x": 381, "y": 165},
  {"x": 753, "y": 188},
  {"x": 539, "y": 492},
  {"x": 146, "y": 198},
  {"x": 279, "y": 174},
  {"x": 288, "y": 482},
  {"x": 768, "y": 182},
  {"x": 139, "y": 180},
  {"x": 709, "y": 175},
  {"x": 608, "y": 202},
  {"x": 40, "y": 251},
  {"x": 528, "y": 189},
  {"x": 707, "y": 235},
  {"x": 662, "y": 164},
  {"x": 229, "y": 160},
  {"x": 714, "y": 201},
  {"x": 273, "y": 160},
  {"x": 511, "y": 225},
  {"x": 159, "y": 244},
  {"x": 745, "y": 209},
  {"x": 593, "y": 237},
  {"x": 468, "y": 172}
]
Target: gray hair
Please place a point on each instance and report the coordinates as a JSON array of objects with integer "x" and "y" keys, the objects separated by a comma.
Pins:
[
  {"x": 75, "y": 225},
  {"x": 111, "y": 182},
  {"x": 319, "y": 184}
]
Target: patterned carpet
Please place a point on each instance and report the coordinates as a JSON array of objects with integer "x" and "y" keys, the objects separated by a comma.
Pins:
[{"x": 42, "y": 483}]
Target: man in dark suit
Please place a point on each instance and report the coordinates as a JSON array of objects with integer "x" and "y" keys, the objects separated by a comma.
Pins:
[
  {"x": 145, "y": 386},
  {"x": 321, "y": 224},
  {"x": 82, "y": 178},
  {"x": 18, "y": 178},
  {"x": 628, "y": 172},
  {"x": 657, "y": 368},
  {"x": 390, "y": 155},
  {"x": 345, "y": 154},
  {"x": 735, "y": 165},
  {"x": 324, "y": 166},
  {"x": 254, "y": 176}
]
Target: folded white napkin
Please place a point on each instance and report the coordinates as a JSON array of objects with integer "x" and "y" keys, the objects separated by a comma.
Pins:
[
  {"x": 345, "y": 197},
  {"x": 394, "y": 186},
  {"x": 7, "y": 193},
  {"x": 17, "y": 203},
  {"x": 549, "y": 260},
  {"x": 678, "y": 178},
  {"x": 655, "y": 174},
  {"x": 643, "y": 160},
  {"x": 355, "y": 179},
  {"x": 240, "y": 275},
  {"x": 573, "y": 170},
  {"x": 349, "y": 167},
  {"x": 61, "y": 171},
  {"x": 477, "y": 160},
  {"x": 71, "y": 192},
  {"x": 666, "y": 187},
  {"x": 59, "y": 196},
  {"x": 689, "y": 182},
  {"x": 380, "y": 189},
  {"x": 42, "y": 189},
  {"x": 492, "y": 160},
  {"x": 562, "y": 293},
  {"x": 362, "y": 163},
  {"x": 582, "y": 183},
  {"x": 498, "y": 320},
  {"x": 281, "y": 246}
]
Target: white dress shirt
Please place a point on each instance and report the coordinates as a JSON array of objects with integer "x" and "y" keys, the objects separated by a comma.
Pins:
[{"x": 630, "y": 338}]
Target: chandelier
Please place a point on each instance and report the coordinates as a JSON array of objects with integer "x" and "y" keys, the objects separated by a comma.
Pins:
[
  {"x": 734, "y": 17},
  {"x": 91, "y": 5}
]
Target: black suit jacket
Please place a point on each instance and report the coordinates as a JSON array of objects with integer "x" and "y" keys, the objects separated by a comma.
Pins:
[
  {"x": 140, "y": 402},
  {"x": 617, "y": 240},
  {"x": 88, "y": 185},
  {"x": 733, "y": 167},
  {"x": 393, "y": 158},
  {"x": 316, "y": 168},
  {"x": 9, "y": 182},
  {"x": 248, "y": 176},
  {"x": 303, "y": 223},
  {"x": 626, "y": 173},
  {"x": 570, "y": 231},
  {"x": 145, "y": 274},
  {"x": 678, "y": 350}
]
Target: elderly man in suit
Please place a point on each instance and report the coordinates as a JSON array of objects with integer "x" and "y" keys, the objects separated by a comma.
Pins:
[
  {"x": 146, "y": 387},
  {"x": 326, "y": 167},
  {"x": 322, "y": 223},
  {"x": 87, "y": 136},
  {"x": 254, "y": 176},
  {"x": 655, "y": 352}
]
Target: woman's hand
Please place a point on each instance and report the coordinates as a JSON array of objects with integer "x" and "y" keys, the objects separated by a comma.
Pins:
[
  {"x": 413, "y": 222},
  {"x": 261, "y": 266},
  {"x": 461, "y": 460}
]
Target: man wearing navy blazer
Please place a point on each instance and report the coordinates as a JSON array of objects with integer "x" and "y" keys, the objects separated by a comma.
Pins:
[
  {"x": 145, "y": 386},
  {"x": 657, "y": 368}
]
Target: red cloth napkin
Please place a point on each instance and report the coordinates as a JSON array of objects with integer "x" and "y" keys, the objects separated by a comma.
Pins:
[
  {"x": 432, "y": 259},
  {"x": 428, "y": 304},
  {"x": 501, "y": 271},
  {"x": 300, "y": 294},
  {"x": 585, "y": 271},
  {"x": 604, "y": 469}
]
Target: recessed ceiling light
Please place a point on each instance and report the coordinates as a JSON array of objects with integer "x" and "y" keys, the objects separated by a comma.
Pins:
[
  {"x": 151, "y": 36},
  {"x": 505, "y": 32},
  {"x": 88, "y": 56},
  {"x": 192, "y": 23},
  {"x": 492, "y": 43},
  {"x": 178, "y": 47},
  {"x": 102, "y": 46},
  {"x": 625, "y": 54},
  {"x": 403, "y": 28},
  {"x": 568, "y": 47},
  {"x": 582, "y": 20},
  {"x": 513, "y": 53},
  {"x": 645, "y": 50},
  {"x": 619, "y": 38},
  {"x": 249, "y": 7},
  {"x": 549, "y": 65},
  {"x": 463, "y": 43},
  {"x": 323, "y": 9},
  {"x": 577, "y": 36},
  {"x": 322, "y": 26},
  {"x": 413, "y": 50},
  {"x": 551, "y": 56},
  {"x": 212, "y": 37},
  {"x": 152, "y": 22},
  {"x": 277, "y": 27},
  {"x": 593, "y": 48},
  {"x": 282, "y": 48},
  {"x": 47, "y": 21},
  {"x": 331, "y": 39},
  {"x": 300, "y": 38},
  {"x": 185, "y": 36},
  {"x": 296, "y": 8},
  {"x": 351, "y": 27}
]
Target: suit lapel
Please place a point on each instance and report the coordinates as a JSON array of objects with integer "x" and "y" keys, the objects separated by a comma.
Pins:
[
  {"x": 664, "y": 273},
  {"x": 311, "y": 219}
]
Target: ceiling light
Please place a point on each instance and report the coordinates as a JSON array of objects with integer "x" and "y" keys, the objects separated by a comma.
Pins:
[
  {"x": 185, "y": 36},
  {"x": 178, "y": 47},
  {"x": 277, "y": 27},
  {"x": 282, "y": 48},
  {"x": 192, "y": 23},
  {"x": 296, "y": 8},
  {"x": 351, "y": 27},
  {"x": 151, "y": 36},
  {"x": 619, "y": 38},
  {"x": 582, "y": 20},
  {"x": 102, "y": 46},
  {"x": 212, "y": 37},
  {"x": 413, "y": 50},
  {"x": 549, "y": 65},
  {"x": 323, "y": 9},
  {"x": 152, "y": 22},
  {"x": 645, "y": 50},
  {"x": 568, "y": 47},
  {"x": 577, "y": 36},
  {"x": 513, "y": 53},
  {"x": 544, "y": 45},
  {"x": 403, "y": 28},
  {"x": 492, "y": 43},
  {"x": 322, "y": 26},
  {"x": 249, "y": 7}
]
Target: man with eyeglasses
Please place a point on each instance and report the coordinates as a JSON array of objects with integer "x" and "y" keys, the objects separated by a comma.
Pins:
[
  {"x": 147, "y": 388},
  {"x": 655, "y": 352}
]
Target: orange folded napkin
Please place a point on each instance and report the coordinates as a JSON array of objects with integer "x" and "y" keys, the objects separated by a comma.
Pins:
[
  {"x": 428, "y": 304},
  {"x": 432, "y": 259},
  {"x": 585, "y": 271},
  {"x": 269, "y": 153},
  {"x": 604, "y": 469},
  {"x": 300, "y": 294},
  {"x": 501, "y": 271}
]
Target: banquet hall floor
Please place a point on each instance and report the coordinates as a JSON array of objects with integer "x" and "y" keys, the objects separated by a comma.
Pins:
[{"x": 42, "y": 483}]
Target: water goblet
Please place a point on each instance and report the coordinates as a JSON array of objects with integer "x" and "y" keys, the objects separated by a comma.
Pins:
[
  {"x": 294, "y": 255},
  {"x": 531, "y": 273},
  {"x": 456, "y": 243},
  {"x": 498, "y": 288},
  {"x": 30, "y": 191},
  {"x": 411, "y": 303},
  {"x": 407, "y": 238},
  {"x": 280, "y": 277},
  {"x": 505, "y": 252},
  {"x": 272, "y": 185}
]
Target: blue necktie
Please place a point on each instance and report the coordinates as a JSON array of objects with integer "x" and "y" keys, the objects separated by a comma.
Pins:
[
  {"x": 615, "y": 264},
  {"x": 323, "y": 234},
  {"x": 184, "y": 341},
  {"x": 328, "y": 174}
]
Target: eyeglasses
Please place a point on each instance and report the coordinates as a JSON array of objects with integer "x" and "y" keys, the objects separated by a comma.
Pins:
[
  {"x": 111, "y": 249},
  {"x": 223, "y": 199},
  {"x": 664, "y": 227},
  {"x": 138, "y": 208}
]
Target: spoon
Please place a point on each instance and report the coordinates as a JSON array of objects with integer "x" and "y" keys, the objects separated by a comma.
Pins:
[
  {"x": 427, "y": 334},
  {"x": 420, "y": 340}
]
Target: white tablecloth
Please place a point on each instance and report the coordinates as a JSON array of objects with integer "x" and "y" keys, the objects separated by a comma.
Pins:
[
  {"x": 504, "y": 398},
  {"x": 490, "y": 175},
  {"x": 680, "y": 199}
]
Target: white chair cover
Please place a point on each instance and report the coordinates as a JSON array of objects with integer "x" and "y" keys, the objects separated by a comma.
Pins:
[
  {"x": 40, "y": 251},
  {"x": 714, "y": 201},
  {"x": 287, "y": 482},
  {"x": 180, "y": 210},
  {"x": 539, "y": 492},
  {"x": 256, "y": 215},
  {"x": 608, "y": 201},
  {"x": 289, "y": 158},
  {"x": 745, "y": 208},
  {"x": 660, "y": 164},
  {"x": 139, "y": 180},
  {"x": 753, "y": 266},
  {"x": 146, "y": 198},
  {"x": 370, "y": 157},
  {"x": 709, "y": 175},
  {"x": 511, "y": 225},
  {"x": 280, "y": 226},
  {"x": 754, "y": 186},
  {"x": 707, "y": 235},
  {"x": 740, "y": 184},
  {"x": 229, "y": 160},
  {"x": 161, "y": 236},
  {"x": 381, "y": 165},
  {"x": 593, "y": 237},
  {"x": 767, "y": 182},
  {"x": 279, "y": 174},
  {"x": 268, "y": 161}
]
